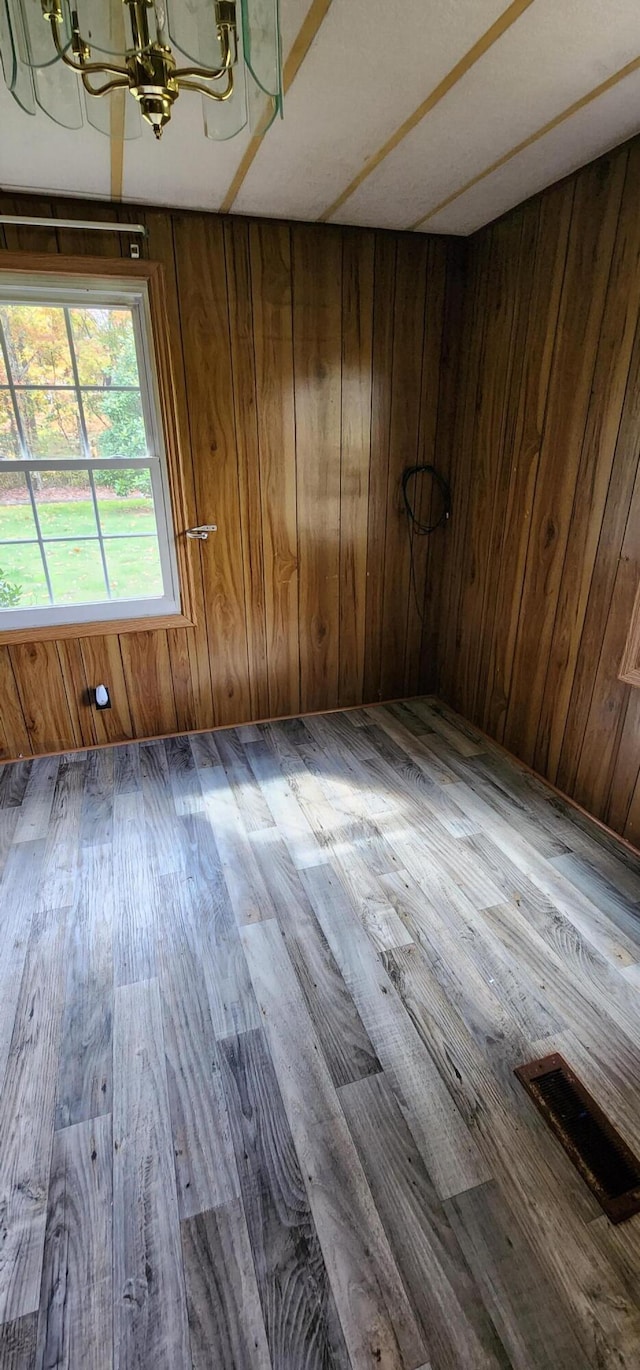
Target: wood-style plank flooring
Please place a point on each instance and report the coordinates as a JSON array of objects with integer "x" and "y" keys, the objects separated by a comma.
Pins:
[{"x": 261, "y": 996}]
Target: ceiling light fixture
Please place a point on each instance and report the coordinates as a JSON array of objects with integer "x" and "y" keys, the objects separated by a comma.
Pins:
[{"x": 228, "y": 51}]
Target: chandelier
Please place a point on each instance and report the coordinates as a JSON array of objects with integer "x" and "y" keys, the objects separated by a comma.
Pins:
[{"x": 66, "y": 61}]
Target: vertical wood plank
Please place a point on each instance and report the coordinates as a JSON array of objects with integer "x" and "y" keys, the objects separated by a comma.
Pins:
[
  {"x": 244, "y": 398},
  {"x": 14, "y": 737},
  {"x": 148, "y": 683},
  {"x": 474, "y": 325},
  {"x": 102, "y": 660},
  {"x": 428, "y": 499},
  {"x": 492, "y": 433},
  {"x": 547, "y": 267},
  {"x": 406, "y": 385},
  {"x": 270, "y": 247},
  {"x": 357, "y": 358},
  {"x": 317, "y": 350},
  {"x": 204, "y": 314},
  {"x": 449, "y": 385},
  {"x": 43, "y": 696},
  {"x": 188, "y": 648},
  {"x": 75, "y": 684},
  {"x": 383, "y": 317}
]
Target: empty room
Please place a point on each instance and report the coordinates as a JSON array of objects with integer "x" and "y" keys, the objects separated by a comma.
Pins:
[{"x": 319, "y": 685}]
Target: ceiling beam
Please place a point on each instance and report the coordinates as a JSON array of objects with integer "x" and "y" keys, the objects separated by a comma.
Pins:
[
  {"x": 315, "y": 15},
  {"x": 486, "y": 41},
  {"x": 117, "y": 110},
  {"x": 116, "y": 148},
  {"x": 533, "y": 138}
]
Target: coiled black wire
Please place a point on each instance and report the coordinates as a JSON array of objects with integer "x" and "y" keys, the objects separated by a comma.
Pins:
[{"x": 414, "y": 525}]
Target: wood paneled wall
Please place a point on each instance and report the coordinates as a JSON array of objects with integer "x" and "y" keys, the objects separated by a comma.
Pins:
[
  {"x": 535, "y": 587},
  {"x": 307, "y": 365}
]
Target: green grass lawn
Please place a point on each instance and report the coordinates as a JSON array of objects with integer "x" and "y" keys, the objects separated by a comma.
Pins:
[{"x": 75, "y": 567}]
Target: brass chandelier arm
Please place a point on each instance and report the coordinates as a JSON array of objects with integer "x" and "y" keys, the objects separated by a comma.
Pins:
[
  {"x": 118, "y": 83},
  {"x": 204, "y": 90},
  {"x": 210, "y": 73},
  {"x": 203, "y": 73},
  {"x": 91, "y": 68}
]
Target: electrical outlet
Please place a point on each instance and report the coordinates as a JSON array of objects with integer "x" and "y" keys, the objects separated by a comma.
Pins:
[{"x": 101, "y": 697}]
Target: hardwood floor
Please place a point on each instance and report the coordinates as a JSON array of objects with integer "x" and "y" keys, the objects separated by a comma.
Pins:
[{"x": 261, "y": 996}]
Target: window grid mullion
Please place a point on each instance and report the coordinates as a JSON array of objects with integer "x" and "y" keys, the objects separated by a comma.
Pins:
[
  {"x": 80, "y": 537},
  {"x": 23, "y": 449},
  {"x": 85, "y": 444},
  {"x": 75, "y": 463},
  {"x": 95, "y": 389},
  {"x": 76, "y": 386},
  {"x": 100, "y": 537},
  {"x": 12, "y": 391},
  {"x": 36, "y": 519}
]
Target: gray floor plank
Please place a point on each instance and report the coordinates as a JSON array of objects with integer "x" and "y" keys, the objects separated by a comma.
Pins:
[
  {"x": 345, "y": 1044},
  {"x": 18, "y": 896},
  {"x": 355, "y": 1248},
  {"x": 444, "y": 1140},
  {"x": 290, "y": 1271},
  {"x": 205, "y": 1167},
  {"x": 297, "y": 963},
  {"x": 75, "y": 1324},
  {"x": 452, "y": 1316},
  {"x": 97, "y": 808},
  {"x": 27, "y": 1117},
  {"x": 13, "y": 783},
  {"x": 18, "y": 1343},
  {"x": 133, "y": 923},
  {"x": 226, "y": 1326},
  {"x": 35, "y": 810},
  {"x": 246, "y": 888},
  {"x": 150, "y": 1315},
  {"x": 59, "y": 876},
  {"x": 514, "y": 1283},
  {"x": 85, "y": 1079}
]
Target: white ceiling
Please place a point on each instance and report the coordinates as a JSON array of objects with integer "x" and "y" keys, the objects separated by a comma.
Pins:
[{"x": 509, "y": 74}]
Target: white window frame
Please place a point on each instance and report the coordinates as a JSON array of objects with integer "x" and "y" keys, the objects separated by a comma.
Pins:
[{"x": 94, "y": 292}]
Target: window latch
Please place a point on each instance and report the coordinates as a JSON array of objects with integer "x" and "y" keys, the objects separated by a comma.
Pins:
[{"x": 201, "y": 532}]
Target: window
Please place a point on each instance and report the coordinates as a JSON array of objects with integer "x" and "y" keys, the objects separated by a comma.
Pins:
[{"x": 85, "y": 516}]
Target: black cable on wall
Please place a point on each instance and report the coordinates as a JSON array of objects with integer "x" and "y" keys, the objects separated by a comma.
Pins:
[{"x": 415, "y": 526}]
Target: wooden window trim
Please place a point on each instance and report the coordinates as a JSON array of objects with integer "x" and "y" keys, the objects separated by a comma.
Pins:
[
  {"x": 630, "y": 666},
  {"x": 153, "y": 274}
]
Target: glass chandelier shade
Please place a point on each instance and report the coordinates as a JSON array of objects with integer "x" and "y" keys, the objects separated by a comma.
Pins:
[{"x": 70, "y": 63}]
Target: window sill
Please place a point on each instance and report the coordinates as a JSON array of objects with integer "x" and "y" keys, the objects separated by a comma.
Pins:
[{"x": 51, "y": 632}]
